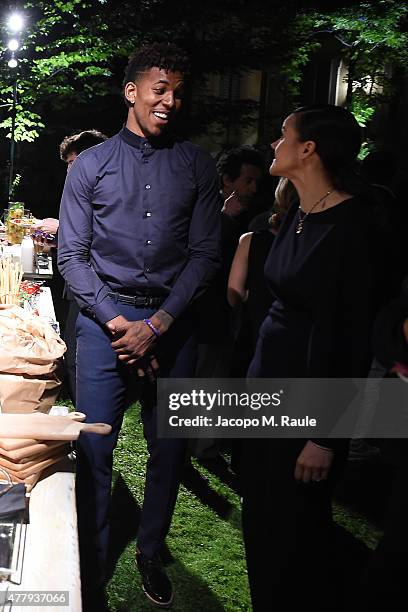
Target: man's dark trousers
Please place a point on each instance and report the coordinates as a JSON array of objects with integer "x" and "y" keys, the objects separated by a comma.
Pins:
[{"x": 103, "y": 386}]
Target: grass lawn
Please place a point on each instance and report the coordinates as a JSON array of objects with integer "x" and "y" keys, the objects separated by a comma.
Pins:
[
  {"x": 208, "y": 567},
  {"x": 205, "y": 549}
]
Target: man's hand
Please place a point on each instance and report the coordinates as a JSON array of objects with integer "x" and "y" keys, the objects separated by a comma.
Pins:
[
  {"x": 233, "y": 206},
  {"x": 48, "y": 225},
  {"x": 132, "y": 339},
  {"x": 147, "y": 367},
  {"x": 313, "y": 463}
]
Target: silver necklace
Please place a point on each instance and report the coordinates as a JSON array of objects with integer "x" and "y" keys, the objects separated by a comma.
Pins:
[{"x": 299, "y": 227}]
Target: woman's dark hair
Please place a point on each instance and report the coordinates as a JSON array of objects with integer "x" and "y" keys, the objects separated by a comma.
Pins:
[{"x": 338, "y": 140}]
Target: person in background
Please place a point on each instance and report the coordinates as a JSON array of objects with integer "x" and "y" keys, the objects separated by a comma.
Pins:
[
  {"x": 248, "y": 291},
  {"x": 383, "y": 583},
  {"x": 139, "y": 239},
  {"x": 69, "y": 149},
  {"x": 247, "y": 284},
  {"x": 241, "y": 171},
  {"x": 379, "y": 168}
]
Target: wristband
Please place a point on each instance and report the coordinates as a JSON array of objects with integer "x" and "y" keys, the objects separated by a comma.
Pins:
[{"x": 152, "y": 327}]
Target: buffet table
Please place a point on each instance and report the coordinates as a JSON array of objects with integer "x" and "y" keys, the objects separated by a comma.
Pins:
[
  {"x": 50, "y": 556},
  {"x": 45, "y": 305},
  {"x": 43, "y": 269},
  {"x": 48, "y": 566}
]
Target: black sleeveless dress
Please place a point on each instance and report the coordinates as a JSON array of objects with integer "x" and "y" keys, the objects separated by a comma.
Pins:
[
  {"x": 324, "y": 282},
  {"x": 259, "y": 294}
]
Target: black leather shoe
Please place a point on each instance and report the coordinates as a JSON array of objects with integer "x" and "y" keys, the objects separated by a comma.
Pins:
[{"x": 155, "y": 582}]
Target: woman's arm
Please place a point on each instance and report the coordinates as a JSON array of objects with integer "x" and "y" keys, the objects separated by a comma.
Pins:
[{"x": 237, "y": 291}]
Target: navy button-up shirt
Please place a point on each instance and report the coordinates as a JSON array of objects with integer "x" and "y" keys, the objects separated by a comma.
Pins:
[{"x": 139, "y": 217}]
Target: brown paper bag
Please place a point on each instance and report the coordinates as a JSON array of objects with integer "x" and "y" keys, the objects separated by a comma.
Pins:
[
  {"x": 20, "y": 393},
  {"x": 28, "y": 344},
  {"x": 30, "y": 358}
]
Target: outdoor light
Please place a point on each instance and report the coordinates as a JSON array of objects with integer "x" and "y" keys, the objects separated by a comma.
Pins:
[
  {"x": 15, "y": 22},
  {"x": 13, "y": 44}
]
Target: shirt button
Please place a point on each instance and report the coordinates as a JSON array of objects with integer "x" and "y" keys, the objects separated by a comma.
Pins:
[
  {"x": 148, "y": 242},
  {"x": 147, "y": 214},
  {"x": 145, "y": 161},
  {"x": 146, "y": 144},
  {"x": 147, "y": 186}
]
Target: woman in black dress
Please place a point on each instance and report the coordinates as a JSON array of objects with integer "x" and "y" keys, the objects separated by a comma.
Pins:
[{"x": 325, "y": 275}]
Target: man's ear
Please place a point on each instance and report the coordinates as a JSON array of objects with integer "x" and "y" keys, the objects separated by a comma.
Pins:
[
  {"x": 226, "y": 180},
  {"x": 130, "y": 92},
  {"x": 308, "y": 148}
]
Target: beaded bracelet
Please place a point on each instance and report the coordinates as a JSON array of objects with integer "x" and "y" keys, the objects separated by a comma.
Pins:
[{"x": 152, "y": 327}]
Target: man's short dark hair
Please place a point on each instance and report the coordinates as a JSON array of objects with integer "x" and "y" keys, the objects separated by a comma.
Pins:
[
  {"x": 166, "y": 56},
  {"x": 79, "y": 142},
  {"x": 231, "y": 162}
]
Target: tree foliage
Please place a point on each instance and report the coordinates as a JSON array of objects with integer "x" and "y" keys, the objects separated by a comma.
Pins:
[
  {"x": 64, "y": 59},
  {"x": 373, "y": 41},
  {"x": 74, "y": 51}
]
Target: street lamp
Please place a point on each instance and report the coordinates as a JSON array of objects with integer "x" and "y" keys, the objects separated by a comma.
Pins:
[
  {"x": 15, "y": 24},
  {"x": 13, "y": 44}
]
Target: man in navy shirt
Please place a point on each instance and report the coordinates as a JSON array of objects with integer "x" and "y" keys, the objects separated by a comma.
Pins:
[{"x": 138, "y": 241}]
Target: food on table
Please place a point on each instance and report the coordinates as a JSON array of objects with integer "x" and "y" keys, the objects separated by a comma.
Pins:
[
  {"x": 31, "y": 287},
  {"x": 10, "y": 279},
  {"x": 13, "y": 218},
  {"x": 28, "y": 292}
]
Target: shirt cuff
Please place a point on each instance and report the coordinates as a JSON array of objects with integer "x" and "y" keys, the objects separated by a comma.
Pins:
[
  {"x": 105, "y": 311},
  {"x": 173, "y": 305},
  {"x": 336, "y": 445}
]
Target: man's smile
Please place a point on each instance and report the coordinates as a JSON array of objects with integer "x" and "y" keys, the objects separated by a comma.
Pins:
[{"x": 162, "y": 116}]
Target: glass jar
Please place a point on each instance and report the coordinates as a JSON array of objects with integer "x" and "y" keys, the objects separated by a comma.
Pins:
[{"x": 14, "y": 222}]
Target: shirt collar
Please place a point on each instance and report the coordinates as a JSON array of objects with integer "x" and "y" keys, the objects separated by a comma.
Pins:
[
  {"x": 140, "y": 142},
  {"x": 132, "y": 139}
]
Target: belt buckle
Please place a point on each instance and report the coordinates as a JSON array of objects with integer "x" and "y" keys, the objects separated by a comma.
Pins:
[{"x": 149, "y": 301}]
